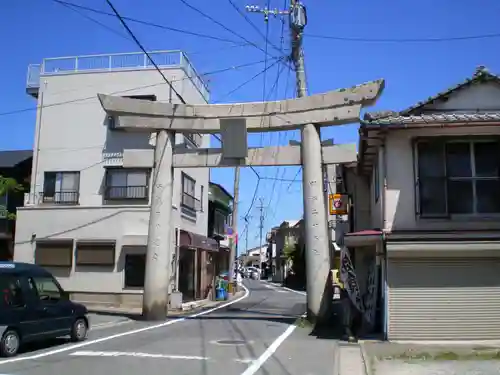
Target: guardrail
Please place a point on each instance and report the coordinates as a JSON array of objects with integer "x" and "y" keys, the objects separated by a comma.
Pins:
[{"x": 115, "y": 62}]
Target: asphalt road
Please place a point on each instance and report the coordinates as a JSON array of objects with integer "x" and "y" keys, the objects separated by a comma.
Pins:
[{"x": 254, "y": 334}]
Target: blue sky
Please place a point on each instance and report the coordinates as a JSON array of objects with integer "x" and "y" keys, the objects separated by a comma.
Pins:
[{"x": 33, "y": 29}]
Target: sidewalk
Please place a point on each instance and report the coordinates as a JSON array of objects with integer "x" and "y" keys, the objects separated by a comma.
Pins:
[
  {"x": 350, "y": 360},
  {"x": 136, "y": 312}
]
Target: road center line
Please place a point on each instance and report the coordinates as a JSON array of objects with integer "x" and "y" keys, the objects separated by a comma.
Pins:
[
  {"x": 257, "y": 364},
  {"x": 122, "y": 334}
]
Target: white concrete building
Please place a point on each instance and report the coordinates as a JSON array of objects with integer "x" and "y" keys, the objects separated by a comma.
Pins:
[{"x": 86, "y": 219}]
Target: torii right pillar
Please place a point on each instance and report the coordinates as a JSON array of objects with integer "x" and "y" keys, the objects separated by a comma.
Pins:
[{"x": 317, "y": 246}]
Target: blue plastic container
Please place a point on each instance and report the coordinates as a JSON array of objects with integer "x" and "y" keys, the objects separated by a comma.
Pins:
[{"x": 220, "y": 294}]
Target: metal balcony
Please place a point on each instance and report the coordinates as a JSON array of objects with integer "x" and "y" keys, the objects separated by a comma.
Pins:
[{"x": 112, "y": 62}]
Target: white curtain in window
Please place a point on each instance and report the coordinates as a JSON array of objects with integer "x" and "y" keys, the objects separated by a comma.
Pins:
[
  {"x": 136, "y": 179},
  {"x": 118, "y": 178},
  {"x": 69, "y": 182},
  {"x": 188, "y": 186}
]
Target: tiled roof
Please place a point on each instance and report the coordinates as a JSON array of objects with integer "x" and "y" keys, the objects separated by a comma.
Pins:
[
  {"x": 9, "y": 159},
  {"x": 434, "y": 118},
  {"x": 480, "y": 75}
]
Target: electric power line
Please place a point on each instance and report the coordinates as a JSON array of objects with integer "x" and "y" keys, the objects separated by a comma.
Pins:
[
  {"x": 199, "y": 11},
  {"x": 245, "y": 17},
  {"x": 144, "y": 50},
  {"x": 404, "y": 40},
  {"x": 126, "y": 90},
  {"x": 249, "y": 80},
  {"x": 77, "y": 11},
  {"x": 151, "y": 24}
]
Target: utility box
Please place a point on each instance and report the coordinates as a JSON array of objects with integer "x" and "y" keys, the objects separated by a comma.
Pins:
[
  {"x": 234, "y": 138},
  {"x": 176, "y": 300}
]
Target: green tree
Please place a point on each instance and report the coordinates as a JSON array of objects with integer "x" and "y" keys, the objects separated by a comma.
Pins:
[
  {"x": 8, "y": 185},
  {"x": 296, "y": 255}
]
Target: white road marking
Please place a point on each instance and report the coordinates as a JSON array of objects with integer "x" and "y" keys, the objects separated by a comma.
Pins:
[
  {"x": 94, "y": 327},
  {"x": 271, "y": 285},
  {"x": 121, "y": 334},
  {"x": 137, "y": 354},
  {"x": 257, "y": 364},
  {"x": 243, "y": 360},
  {"x": 90, "y": 353}
]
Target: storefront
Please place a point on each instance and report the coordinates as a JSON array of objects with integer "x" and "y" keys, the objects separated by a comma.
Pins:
[
  {"x": 444, "y": 288},
  {"x": 196, "y": 265}
]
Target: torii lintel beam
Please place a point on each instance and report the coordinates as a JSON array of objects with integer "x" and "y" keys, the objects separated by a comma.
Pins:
[
  {"x": 331, "y": 108},
  {"x": 266, "y": 156}
]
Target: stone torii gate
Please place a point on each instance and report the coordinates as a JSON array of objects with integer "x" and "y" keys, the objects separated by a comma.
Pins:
[{"x": 233, "y": 121}]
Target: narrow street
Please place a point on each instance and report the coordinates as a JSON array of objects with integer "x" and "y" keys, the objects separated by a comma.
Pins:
[{"x": 254, "y": 335}]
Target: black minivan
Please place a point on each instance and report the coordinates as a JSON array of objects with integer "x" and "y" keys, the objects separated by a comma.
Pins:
[{"x": 33, "y": 307}]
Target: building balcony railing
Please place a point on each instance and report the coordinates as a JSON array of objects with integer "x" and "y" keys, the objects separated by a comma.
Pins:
[
  {"x": 60, "y": 197},
  {"x": 113, "y": 62},
  {"x": 126, "y": 192}
]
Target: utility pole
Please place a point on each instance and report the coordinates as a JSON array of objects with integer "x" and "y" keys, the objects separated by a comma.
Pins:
[
  {"x": 261, "y": 228},
  {"x": 319, "y": 290},
  {"x": 247, "y": 219},
  {"x": 234, "y": 241}
]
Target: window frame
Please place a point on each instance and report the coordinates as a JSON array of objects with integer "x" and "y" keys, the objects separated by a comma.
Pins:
[
  {"x": 94, "y": 246},
  {"x": 32, "y": 279},
  {"x": 53, "y": 199},
  {"x": 109, "y": 172},
  {"x": 60, "y": 245},
  {"x": 125, "y": 278},
  {"x": 443, "y": 141},
  {"x": 376, "y": 180},
  {"x": 185, "y": 177}
]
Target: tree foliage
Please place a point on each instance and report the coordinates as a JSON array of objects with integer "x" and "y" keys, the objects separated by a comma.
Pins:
[{"x": 8, "y": 185}]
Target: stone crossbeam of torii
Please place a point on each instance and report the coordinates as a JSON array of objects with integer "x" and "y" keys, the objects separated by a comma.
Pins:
[{"x": 233, "y": 121}]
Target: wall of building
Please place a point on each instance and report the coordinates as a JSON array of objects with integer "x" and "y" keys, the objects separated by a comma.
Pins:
[
  {"x": 400, "y": 195},
  {"x": 359, "y": 188},
  {"x": 74, "y": 136},
  {"x": 127, "y": 225}
]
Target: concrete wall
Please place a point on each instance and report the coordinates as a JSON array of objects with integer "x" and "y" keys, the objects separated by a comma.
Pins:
[{"x": 74, "y": 136}]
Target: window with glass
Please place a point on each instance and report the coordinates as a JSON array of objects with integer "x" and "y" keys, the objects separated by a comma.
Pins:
[
  {"x": 458, "y": 177},
  {"x": 127, "y": 184},
  {"x": 11, "y": 290},
  {"x": 61, "y": 187},
  {"x": 135, "y": 268},
  {"x": 45, "y": 288},
  {"x": 188, "y": 198}
]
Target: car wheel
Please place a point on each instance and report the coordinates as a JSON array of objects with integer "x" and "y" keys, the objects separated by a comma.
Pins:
[
  {"x": 79, "y": 330},
  {"x": 10, "y": 343}
]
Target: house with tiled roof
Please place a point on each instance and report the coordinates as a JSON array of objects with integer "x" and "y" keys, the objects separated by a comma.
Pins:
[{"x": 425, "y": 233}]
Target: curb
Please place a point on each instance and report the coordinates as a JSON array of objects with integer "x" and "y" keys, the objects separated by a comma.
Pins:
[
  {"x": 366, "y": 359},
  {"x": 336, "y": 360},
  {"x": 170, "y": 314}
]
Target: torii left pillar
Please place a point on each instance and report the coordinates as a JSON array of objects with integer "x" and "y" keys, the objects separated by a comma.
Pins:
[{"x": 159, "y": 250}]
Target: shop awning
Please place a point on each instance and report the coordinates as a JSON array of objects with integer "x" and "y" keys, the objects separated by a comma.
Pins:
[
  {"x": 363, "y": 238},
  {"x": 197, "y": 241}
]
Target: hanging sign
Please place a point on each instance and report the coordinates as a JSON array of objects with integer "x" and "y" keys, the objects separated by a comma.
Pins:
[
  {"x": 338, "y": 204},
  {"x": 349, "y": 279}
]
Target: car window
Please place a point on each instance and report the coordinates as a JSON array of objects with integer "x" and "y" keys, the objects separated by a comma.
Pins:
[
  {"x": 11, "y": 292},
  {"x": 45, "y": 288}
]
